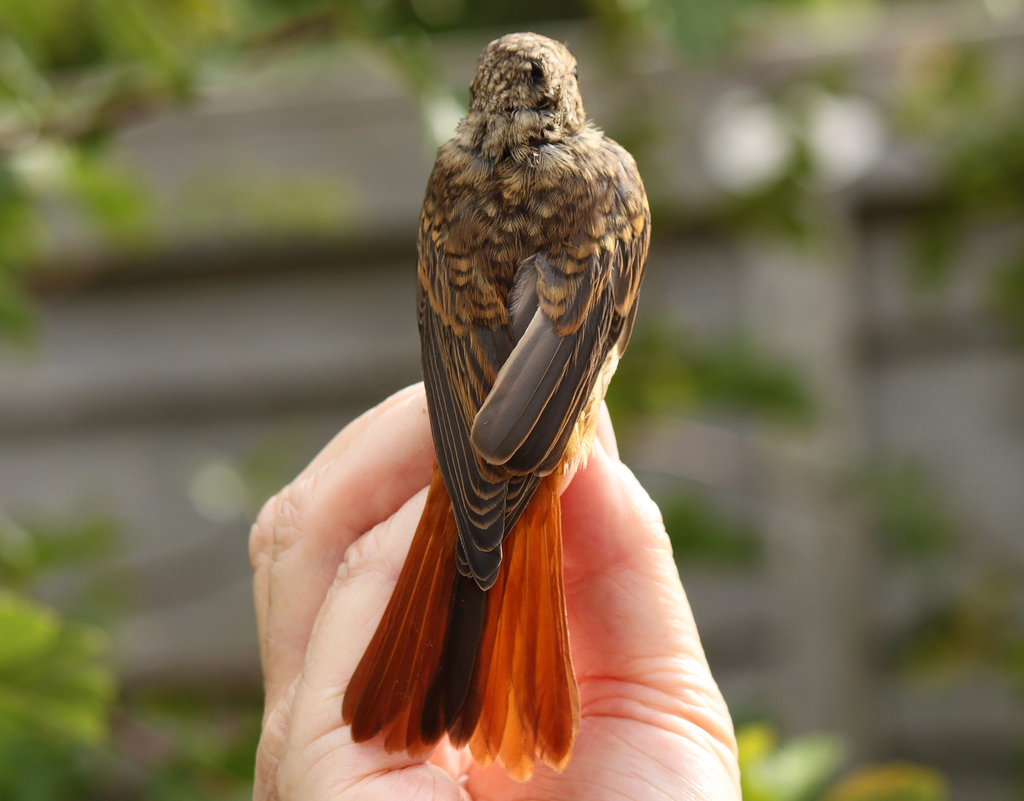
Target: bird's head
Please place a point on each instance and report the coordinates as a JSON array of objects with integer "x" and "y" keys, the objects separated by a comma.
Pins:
[{"x": 525, "y": 85}]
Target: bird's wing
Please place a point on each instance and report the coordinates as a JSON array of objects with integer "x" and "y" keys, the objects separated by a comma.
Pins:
[
  {"x": 570, "y": 307},
  {"x": 465, "y": 340}
]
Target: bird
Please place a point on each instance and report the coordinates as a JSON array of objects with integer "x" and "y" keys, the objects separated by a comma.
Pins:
[{"x": 532, "y": 243}]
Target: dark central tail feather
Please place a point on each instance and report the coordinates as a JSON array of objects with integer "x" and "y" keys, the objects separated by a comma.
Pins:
[
  {"x": 448, "y": 691},
  {"x": 490, "y": 667}
]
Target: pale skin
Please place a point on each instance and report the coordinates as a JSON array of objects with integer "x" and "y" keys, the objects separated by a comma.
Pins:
[{"x": 326, "y": 552}]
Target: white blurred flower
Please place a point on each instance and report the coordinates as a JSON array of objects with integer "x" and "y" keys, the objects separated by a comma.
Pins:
[
  {"x": 443, "y": 113},
  {"x": 1004, "y": 9},
  {"x": 217, "y": 491},
  {"x": 745, "y": 141},
  {"x": 846, "y": 137},
  {"x": 42, "y": 166}
]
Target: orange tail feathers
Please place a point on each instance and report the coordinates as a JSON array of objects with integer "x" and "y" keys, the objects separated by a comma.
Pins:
[
  {"x": 389, "y": 686},
  {"x": 492, "y": 668}
]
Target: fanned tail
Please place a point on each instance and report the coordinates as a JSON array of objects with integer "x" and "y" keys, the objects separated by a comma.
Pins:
[{"x": 492, "y": 668}]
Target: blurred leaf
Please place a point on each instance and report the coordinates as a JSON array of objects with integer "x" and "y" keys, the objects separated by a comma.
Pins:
[
  {"x": 895, "y": 781},
  {"x": 1008, "y": 292},
  {"x": 938, "y": 235},
  {"x": 34, "y": 548},
  {"x": 21, "y": 234},
  {"x": 794, "y": 771},
  {"x": 798, "y": 770},
  {"x": 699, "y": 532},
  {"x": 703, "y": 29},
  {"x": 975, "y": 121},
  {"x": 699, "y": 30},
  {"x": 667, "y": 373},
  {"x": 165, "y": 31},
  {"x": 942, "y": 79},
  {"x": 52, "y": 678},
  {"x": 784, "y": 205},
  {"x": 36, "y": 767},
  {"x": 268, "y": 204},
  {"x": 1014, "y": 661},
  {"x": 53, "y": 33},
  {"x": 109, "y": 193},
  {"x": 973, "y": 629},
  {"x": 212, "y": 740},
  {"x": 912, "y": 514},
  {"x": 755, "y": 742},
  {"x": 17, "y": 310},
  {"x": 739, "y": 375},
  {"x": 985, "y": 162}
]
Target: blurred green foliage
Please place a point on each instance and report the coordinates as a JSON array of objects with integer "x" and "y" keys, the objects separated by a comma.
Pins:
[
  {"x": 674, "y": 373},
  {"x": 972, "y": 630},
  {"x": 910, "y": 515},
  {"x": 808, "y": 769},
  {"x": 701, "y": 533},
  {"x": 971, "y": 110},
  {"x": 797, "y": 770},
  {"x": 67, "y": 727},
  {"x": 1008, "y": 293},
  {"x": 57, "y": 689},
  {"x": 193, "y": 744},
  {"x": 898, "y": 781},
  {"x": 52, "y": 679},
  {"x": 668, "y": 374},
  {"x": 32, "y": 550}
]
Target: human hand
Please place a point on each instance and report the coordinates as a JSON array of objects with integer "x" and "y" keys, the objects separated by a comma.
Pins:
[{"x": 326, "y": 552}]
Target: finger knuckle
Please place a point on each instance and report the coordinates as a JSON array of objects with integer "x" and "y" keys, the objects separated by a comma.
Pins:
[
  {"x": 261, "y": 535},
  {"x": 278, "y": 524},
  {"x": 272, "y": 749},
  {"x": 266, "y": 776},
  {"x": 265, "y": 779}
]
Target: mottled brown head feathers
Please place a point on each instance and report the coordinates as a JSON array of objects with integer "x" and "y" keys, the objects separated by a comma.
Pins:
[{"x": 525, "y": 87}]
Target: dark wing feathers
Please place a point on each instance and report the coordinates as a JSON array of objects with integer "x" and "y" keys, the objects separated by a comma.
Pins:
[
  {"x": 478, "y": 500},
  {"x": 522, "y": 390},
  {"x": 520, "y": 490},
  {"x": 627, "y": 274},
  {"x": 528, "y": 417}
]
